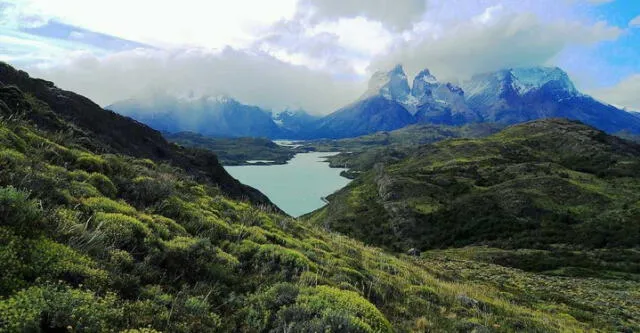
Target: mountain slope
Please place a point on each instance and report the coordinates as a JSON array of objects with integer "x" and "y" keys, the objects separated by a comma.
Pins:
[
  {"x": 508, "y": 96},
  {"x": 63, "y": 111},
  {"x": 212, "y": 116},
  {"x": 236, "y": 151},
  {"x": 540, "y": 183},
  {"x": 518, "y": 95},
  {"x": 369, "y": 115}
]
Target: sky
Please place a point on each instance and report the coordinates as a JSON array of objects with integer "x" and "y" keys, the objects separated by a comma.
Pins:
[{"x": 315, "y": 55}]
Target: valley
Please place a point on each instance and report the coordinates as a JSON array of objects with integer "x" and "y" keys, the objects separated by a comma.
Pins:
[{"x": 105, "y": 225}]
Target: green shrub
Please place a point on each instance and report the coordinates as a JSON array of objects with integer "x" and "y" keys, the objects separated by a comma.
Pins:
[
  {"x": 79, "y": 190},
  {"x": 147, "y": 191},
  {"x": 104, "y": 205},
  {"x": 11, "y": 140},
  {"x": 24, "y": 216},
  {"x": 286, "y": 307},
  {"x": 10, "y": 159},
  {"x": 12, "y": 274},
  {"x": 91, "y": 163},
  {"x": 277, "y": 258},
  {"x": 122, "y": 231},
  {"x": 58, "y": 308},
  {"x": 197, "y": 256},
  {"x": 50, "y": 260},
  {"x": 103, "y": 184}
]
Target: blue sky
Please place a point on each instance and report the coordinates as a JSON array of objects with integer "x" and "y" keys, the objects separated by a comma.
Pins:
[{"x": 281, "y": 53}]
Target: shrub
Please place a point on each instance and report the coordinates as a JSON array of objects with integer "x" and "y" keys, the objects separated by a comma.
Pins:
[
  {"x": 18, "y": 212},
  {"x": 55, "y": 261},
  {"x": 196, "y": 256},
  {"x": 122, "y": 231},
  {"x": 91, "y": 163},
  {"x": 277, "y": 258},
  {"x": 14, "y": 266},
  {"x": 103, "y": 184},
  {"x": 10, "y": 159},
  {"x": 104, "y": 205},
  {"x": 11, "y": 140},
  {"x": 82, "y": 190},
  {"x": 58, "y": 308},
  {"x": 286, "y": 307},
  {"x": 147, "y": 191}
]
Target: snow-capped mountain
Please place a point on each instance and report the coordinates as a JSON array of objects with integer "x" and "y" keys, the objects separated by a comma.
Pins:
[
  {"x": 295, "y": 121},
  {"x": 208, "y": 115},
  {"x": 513, "y": 96},
  {"x": 506, "y": 96}
]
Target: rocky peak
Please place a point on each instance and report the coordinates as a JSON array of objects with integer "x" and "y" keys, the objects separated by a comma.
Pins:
[{"x": 392, "y": 85}]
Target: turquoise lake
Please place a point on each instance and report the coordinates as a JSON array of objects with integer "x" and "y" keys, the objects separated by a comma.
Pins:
[{"x": 296, "y": 187}]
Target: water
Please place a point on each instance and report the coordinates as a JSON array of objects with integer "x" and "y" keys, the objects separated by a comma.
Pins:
[{"x": 296, "y": 187}]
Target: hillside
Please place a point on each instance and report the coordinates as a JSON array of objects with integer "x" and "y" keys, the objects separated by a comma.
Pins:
[
  {"x": 532, "y": 185},
  {"x": 75, "y": 116},
  {"x": 236, "y": 151},
  {"x": 362, "y": 153},
  {"x": 94, "y": 241},
  {"x": 219, "y": 116}
]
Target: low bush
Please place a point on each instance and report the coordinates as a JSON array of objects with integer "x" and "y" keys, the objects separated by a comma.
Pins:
[{"x": 20, "y": 213}]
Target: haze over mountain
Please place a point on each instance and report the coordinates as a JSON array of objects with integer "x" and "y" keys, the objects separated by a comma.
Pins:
[{"x": 507, "y": 96}]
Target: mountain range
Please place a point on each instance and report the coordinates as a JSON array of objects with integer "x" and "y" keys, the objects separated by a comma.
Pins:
[{"x": 506, "y": 97}]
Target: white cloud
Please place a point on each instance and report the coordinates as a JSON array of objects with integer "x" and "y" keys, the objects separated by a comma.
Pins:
[
  {"x": 485, "y": 45},
  {"x": 624, "y": 94},
  {"x": 213, "y": 23},
  {"x": 256, "y": 79},
  {"x": 635, "y": 22},
  {"x": 314, "y": 54},
  {"x": 398, "y": 14}
]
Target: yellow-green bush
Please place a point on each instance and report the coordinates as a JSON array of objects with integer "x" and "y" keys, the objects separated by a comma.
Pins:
[
  {"x": 10, "y": 159},
  {"x": 103, "y": 184},
  {"x": 312, "y": 309},
  {"x": 19, "y": 212},
  {"x": 105, "y": 205},
  {"x": 91, "y": 163},
  {"x": 121, "y": 230},
  {"x": 80, "y": 190},
  {"x": 60, "y": 308},
  {"x": 276, "y": 257},
  {"x": 11, "y": 140}
]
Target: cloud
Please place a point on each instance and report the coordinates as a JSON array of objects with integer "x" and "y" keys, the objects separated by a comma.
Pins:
[
  {"x": 398, "y": 14},
  {"x": 343, "y": 47},
  {"x": 635, "y": 22},
  {"x": 213, "y": 24},
  {"x": 253, "y": 78},
  {"x": 489, "y": 43},
  {"x": 624, "y": 94}
]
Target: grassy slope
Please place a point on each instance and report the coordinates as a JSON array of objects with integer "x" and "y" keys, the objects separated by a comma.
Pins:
[
  {"x": 99, "y": 242},
  {"x": 236, "y": 151},
  {"x": 361, "y": 153},
  {"x": 544, "y": 182}
]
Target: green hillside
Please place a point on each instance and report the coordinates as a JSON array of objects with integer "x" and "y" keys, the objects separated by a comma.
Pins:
[
  {"x": 236, "y": 151},
  {"x": 536, "y": 184},
  {"x": 96, "y": 239},
  {"x": 362, "y": 153}
]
